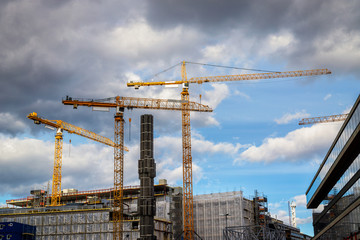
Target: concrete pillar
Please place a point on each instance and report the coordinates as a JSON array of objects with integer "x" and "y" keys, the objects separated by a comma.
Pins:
[{"x": 147, "y": 172}]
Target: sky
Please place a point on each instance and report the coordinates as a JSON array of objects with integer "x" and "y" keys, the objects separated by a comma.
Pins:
[{"x": 251, "y": 141}]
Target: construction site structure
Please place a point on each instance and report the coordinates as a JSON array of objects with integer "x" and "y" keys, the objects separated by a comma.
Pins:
[
  {"x": 120, "y": 103},
  {"x": 60, "y": 126},
  {"x": 230, "y": 215},
  {"x": 88, "y": 214},
  {"x": 147, "y": 172},
  {"x": 293, "y": 214},
  {"x": 261, "y": 214},
  {"x": 188, "y": 217},
  {"x": 324, "y": 119},
  {"x": 40, "y": 197},
  {"x": 216, "y": 211}
]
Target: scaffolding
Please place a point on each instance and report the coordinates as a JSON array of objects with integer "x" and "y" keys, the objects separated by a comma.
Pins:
[
  {"x": 214, "y": 212},
  {"x": 88, "y": 215},
  {"x": 255, "y": 232}
]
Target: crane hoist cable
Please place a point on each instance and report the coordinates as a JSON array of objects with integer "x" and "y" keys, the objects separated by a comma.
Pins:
[
  {"x": 120, "y": 104},
  {"x": 188, "y": 216}
]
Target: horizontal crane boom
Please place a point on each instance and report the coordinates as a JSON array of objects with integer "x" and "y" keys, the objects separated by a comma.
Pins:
[
  {"x": 72, "y": 129},
  {"x": 134, "y": 102},
  {"x": 332, "y": 118},
  {"x": 238, "y": 77}
]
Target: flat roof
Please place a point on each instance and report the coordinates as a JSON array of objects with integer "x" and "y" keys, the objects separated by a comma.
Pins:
[{"x": 128, "y": 190}]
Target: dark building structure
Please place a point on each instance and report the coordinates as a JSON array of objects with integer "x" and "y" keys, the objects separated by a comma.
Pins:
[
  {"x": 335, "y": 190},
  {"x": 147, "y": 172}
]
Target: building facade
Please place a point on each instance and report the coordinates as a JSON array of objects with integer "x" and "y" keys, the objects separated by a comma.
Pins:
[
  {"x": 87, "y": 215},
  {"x": 213, "y": 212},
  {"x": 334, "y": 192}
]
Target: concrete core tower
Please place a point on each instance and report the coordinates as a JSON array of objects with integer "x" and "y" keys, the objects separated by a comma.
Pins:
[{"x": 147, "y": 172}]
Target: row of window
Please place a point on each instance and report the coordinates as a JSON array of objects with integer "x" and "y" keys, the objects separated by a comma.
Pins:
[
  {"x": 344, "y": 137},
  {"x": 347, "y": 198},
  {"x": 346, "y": 228}
]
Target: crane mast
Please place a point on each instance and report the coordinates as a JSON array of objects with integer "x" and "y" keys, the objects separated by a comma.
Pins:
[
  {"x": 118, "y": 175},
  {"x": 188, "y": 216},
  {"x": 120, "y": 103},
  {"x": 56, "y": 183},
  {"x": 60, "y": 126}
]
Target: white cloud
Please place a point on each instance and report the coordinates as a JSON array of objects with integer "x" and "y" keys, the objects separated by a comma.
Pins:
[
  {"x": 28, "y": 163},
  {"x": 139, "y": 39},
  {"x": 10, "y": 123},
  {"x": 300, "y": 221},
  {"x": 241, "y": 94},
  {"x": 214, "y": 53},
  {"x": 173, "y": 146},
  {"x": 299, "y": 144},
  {"x": 338, "y": 47},
  {"x": 281, "y": 215},
  {"x": 215, "y": 96},
  {"x": 24, "y": 162},
  {"x": 204, "y": 146},
  {"x": 327, "y": 97},
  {"x": 300, "y": 200},
  {"x": 175, "y": 176},
  {"x": 284, "y": 216},
  {"x": 288, "y": 117},
  {"x": 273, "y": 43}
]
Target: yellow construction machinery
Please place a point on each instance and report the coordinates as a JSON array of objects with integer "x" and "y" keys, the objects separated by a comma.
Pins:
[
  {"x": 60, "y": 126},
  {"x": 188, "y": 217},
  {"x": 120, "y": 103},
  {"x": 324, "y": 119}
]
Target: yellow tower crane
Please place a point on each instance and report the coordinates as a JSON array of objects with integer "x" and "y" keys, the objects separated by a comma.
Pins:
[
  {"x": 188, "y": 217},
  {"x": 120, "y": 103},
  {"x": 324, "y": 119},
  {"x": 60, "y": 126}
]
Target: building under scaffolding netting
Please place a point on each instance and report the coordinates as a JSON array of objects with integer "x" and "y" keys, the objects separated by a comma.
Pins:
[
  {"x": 213, "y": 212},
  {"x": 230, "y": 216}
]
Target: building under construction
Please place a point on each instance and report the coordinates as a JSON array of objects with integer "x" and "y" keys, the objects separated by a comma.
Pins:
[
  {"x": 214, "y": 212},
  {"x": 88, "y": 215},
  {"x": 231, "y": 216}
]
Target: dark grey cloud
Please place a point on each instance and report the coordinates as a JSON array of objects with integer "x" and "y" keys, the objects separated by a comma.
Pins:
[
  {"x": 310, "y": 22},
  {"x": 305, "y": 18},
  {"x": 47, "y": 51},
  {"x": 50, "y": 49}
]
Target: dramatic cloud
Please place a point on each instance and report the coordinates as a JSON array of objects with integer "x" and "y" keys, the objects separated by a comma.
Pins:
[
  {"x": 11, "y": 124},
  {"x": 28, "y": 163},
  {"x": 25, "y": 163},
  {"x": 288, "y": 117},
  {"x": 300, "y": 144},
  {"x": 89, "y": 50},
  {"x": 50, "y": 49}
]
